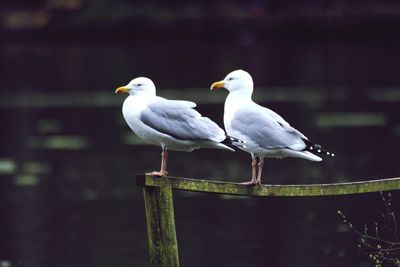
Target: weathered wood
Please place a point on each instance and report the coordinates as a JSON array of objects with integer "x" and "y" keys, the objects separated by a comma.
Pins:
[
  {"x": 229, "y": 188},
  {"x": 161, "y": 235}
]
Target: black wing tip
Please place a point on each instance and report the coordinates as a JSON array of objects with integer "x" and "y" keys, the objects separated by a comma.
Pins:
[
  {"x": 233, "y": 139},
  {"x": 229, "y": 140},
  {"x": 311, "y": 147}
]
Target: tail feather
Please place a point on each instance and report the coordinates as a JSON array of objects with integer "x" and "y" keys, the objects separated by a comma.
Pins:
[{"x": 315, "y": 148}]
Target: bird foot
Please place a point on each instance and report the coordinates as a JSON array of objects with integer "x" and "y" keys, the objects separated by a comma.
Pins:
[
  {"x": 252, "y": 182},
  {"x": 160, "y": 173}
]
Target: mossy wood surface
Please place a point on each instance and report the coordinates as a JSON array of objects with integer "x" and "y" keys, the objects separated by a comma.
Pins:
[
  {"x": 161, "y": 235},
  {"x": 163, "y": 246},
  {"x": 209, "y": 186}
]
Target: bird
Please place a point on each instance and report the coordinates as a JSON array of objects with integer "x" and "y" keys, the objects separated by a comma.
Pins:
[
  {"x": 265, "y": 133},
  {"x": 170, "y": 124}
]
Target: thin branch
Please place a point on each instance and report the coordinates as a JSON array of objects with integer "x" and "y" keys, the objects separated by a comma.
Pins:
[{"x": 378, "y": 248}]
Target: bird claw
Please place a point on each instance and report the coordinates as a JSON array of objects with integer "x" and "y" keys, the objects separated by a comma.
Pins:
[
  {"x": 160, "y": 173},
  {"x": 252, "y": 182}
]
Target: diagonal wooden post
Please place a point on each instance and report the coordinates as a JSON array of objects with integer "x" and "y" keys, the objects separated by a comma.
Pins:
[{"x": 161, "y": 234}]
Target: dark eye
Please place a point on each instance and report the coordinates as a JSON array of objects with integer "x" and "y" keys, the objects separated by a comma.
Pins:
[
  {"x": 230, "y": 79},
  {"x": 139, "y": 84}
]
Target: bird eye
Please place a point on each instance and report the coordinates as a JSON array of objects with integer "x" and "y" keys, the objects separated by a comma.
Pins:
[
  {"x": 139, "y": 84},
  {"x": 230, "y": 79}
]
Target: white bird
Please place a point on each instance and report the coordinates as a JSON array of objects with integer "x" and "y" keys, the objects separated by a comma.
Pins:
[
  {"x": 265, "y": 133},
  {"x": 170, "y": 124}
]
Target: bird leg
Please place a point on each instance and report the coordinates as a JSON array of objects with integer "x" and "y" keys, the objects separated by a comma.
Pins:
[
  {"x": 253, "y": 180},
  {"x": 163, "y": 171},
  {"x": 260, "y": 167}
]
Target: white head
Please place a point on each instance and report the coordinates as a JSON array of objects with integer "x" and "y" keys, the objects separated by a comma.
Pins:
[
  {"x": 138, "y": 86},
  {"x": 237, "y": 80}
]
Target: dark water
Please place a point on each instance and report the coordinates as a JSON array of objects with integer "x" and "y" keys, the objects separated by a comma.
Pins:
[{"x": 68, "y": 161}]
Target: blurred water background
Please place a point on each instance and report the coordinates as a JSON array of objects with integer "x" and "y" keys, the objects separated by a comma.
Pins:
[{"x": 68, "y": 160}]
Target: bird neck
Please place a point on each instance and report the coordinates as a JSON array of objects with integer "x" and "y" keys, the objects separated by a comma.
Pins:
[
  {"x": 137, "y": 102},
  {"x": 142, "y": 94},
  {"x": 233, "y": 102},
  {"x": 238, "y": 98}
]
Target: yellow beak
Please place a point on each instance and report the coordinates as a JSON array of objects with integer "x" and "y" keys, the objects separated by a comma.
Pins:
[
  {"x": 122, "y": 90},
  {"x": 217, "y": 85}
]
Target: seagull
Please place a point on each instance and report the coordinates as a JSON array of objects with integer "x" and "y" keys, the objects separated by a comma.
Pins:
[
  {"x": 265, "y": 133},
  {"x": 170, "y": 124}
]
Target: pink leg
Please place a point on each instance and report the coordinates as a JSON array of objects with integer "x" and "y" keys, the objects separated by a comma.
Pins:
[
  {"x": 260, "y": 167},
  {"x": 253, "y": 180},
  {"x": 163, "y": 171}
]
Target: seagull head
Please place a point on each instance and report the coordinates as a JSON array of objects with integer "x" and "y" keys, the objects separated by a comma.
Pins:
[
  {"x": 138, "y": 86},
  {"x": 237, "y": 80}
]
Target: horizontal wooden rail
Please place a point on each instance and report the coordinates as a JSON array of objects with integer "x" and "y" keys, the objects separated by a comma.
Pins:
[
  {"x": 209, "y": 186},
  {"x": 158, "y": 198}
]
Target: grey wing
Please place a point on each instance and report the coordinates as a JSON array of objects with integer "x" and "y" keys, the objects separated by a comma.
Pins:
[
  {"x": 284, "y": 124},
  {"x": 267, "y": 129},
  {"x": 179, "y": 120},
  {"x": 188, "y": 104}
]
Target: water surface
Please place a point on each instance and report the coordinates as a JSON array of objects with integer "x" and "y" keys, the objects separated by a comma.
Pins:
[{"x": 68, "y": 161}]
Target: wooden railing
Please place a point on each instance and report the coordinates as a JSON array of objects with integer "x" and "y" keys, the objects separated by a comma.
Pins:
[{"x": 158, "y": 199}]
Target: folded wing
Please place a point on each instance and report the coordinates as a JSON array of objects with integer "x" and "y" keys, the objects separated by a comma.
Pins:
[
  {"x": 266, "y": 128},
  {"x": 178, "y": 119}
]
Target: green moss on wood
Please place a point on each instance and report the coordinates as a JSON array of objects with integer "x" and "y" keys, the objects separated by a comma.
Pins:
[
  {"x": 158, "y": 200},
  {"x": 209, "y": 186},
  {"x": 161, "y": 235}
]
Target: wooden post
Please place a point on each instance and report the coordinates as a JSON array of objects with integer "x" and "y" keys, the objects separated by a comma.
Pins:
[
  {"x": 161, "y": 235},
  {"x": 159, "y": 207}
]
